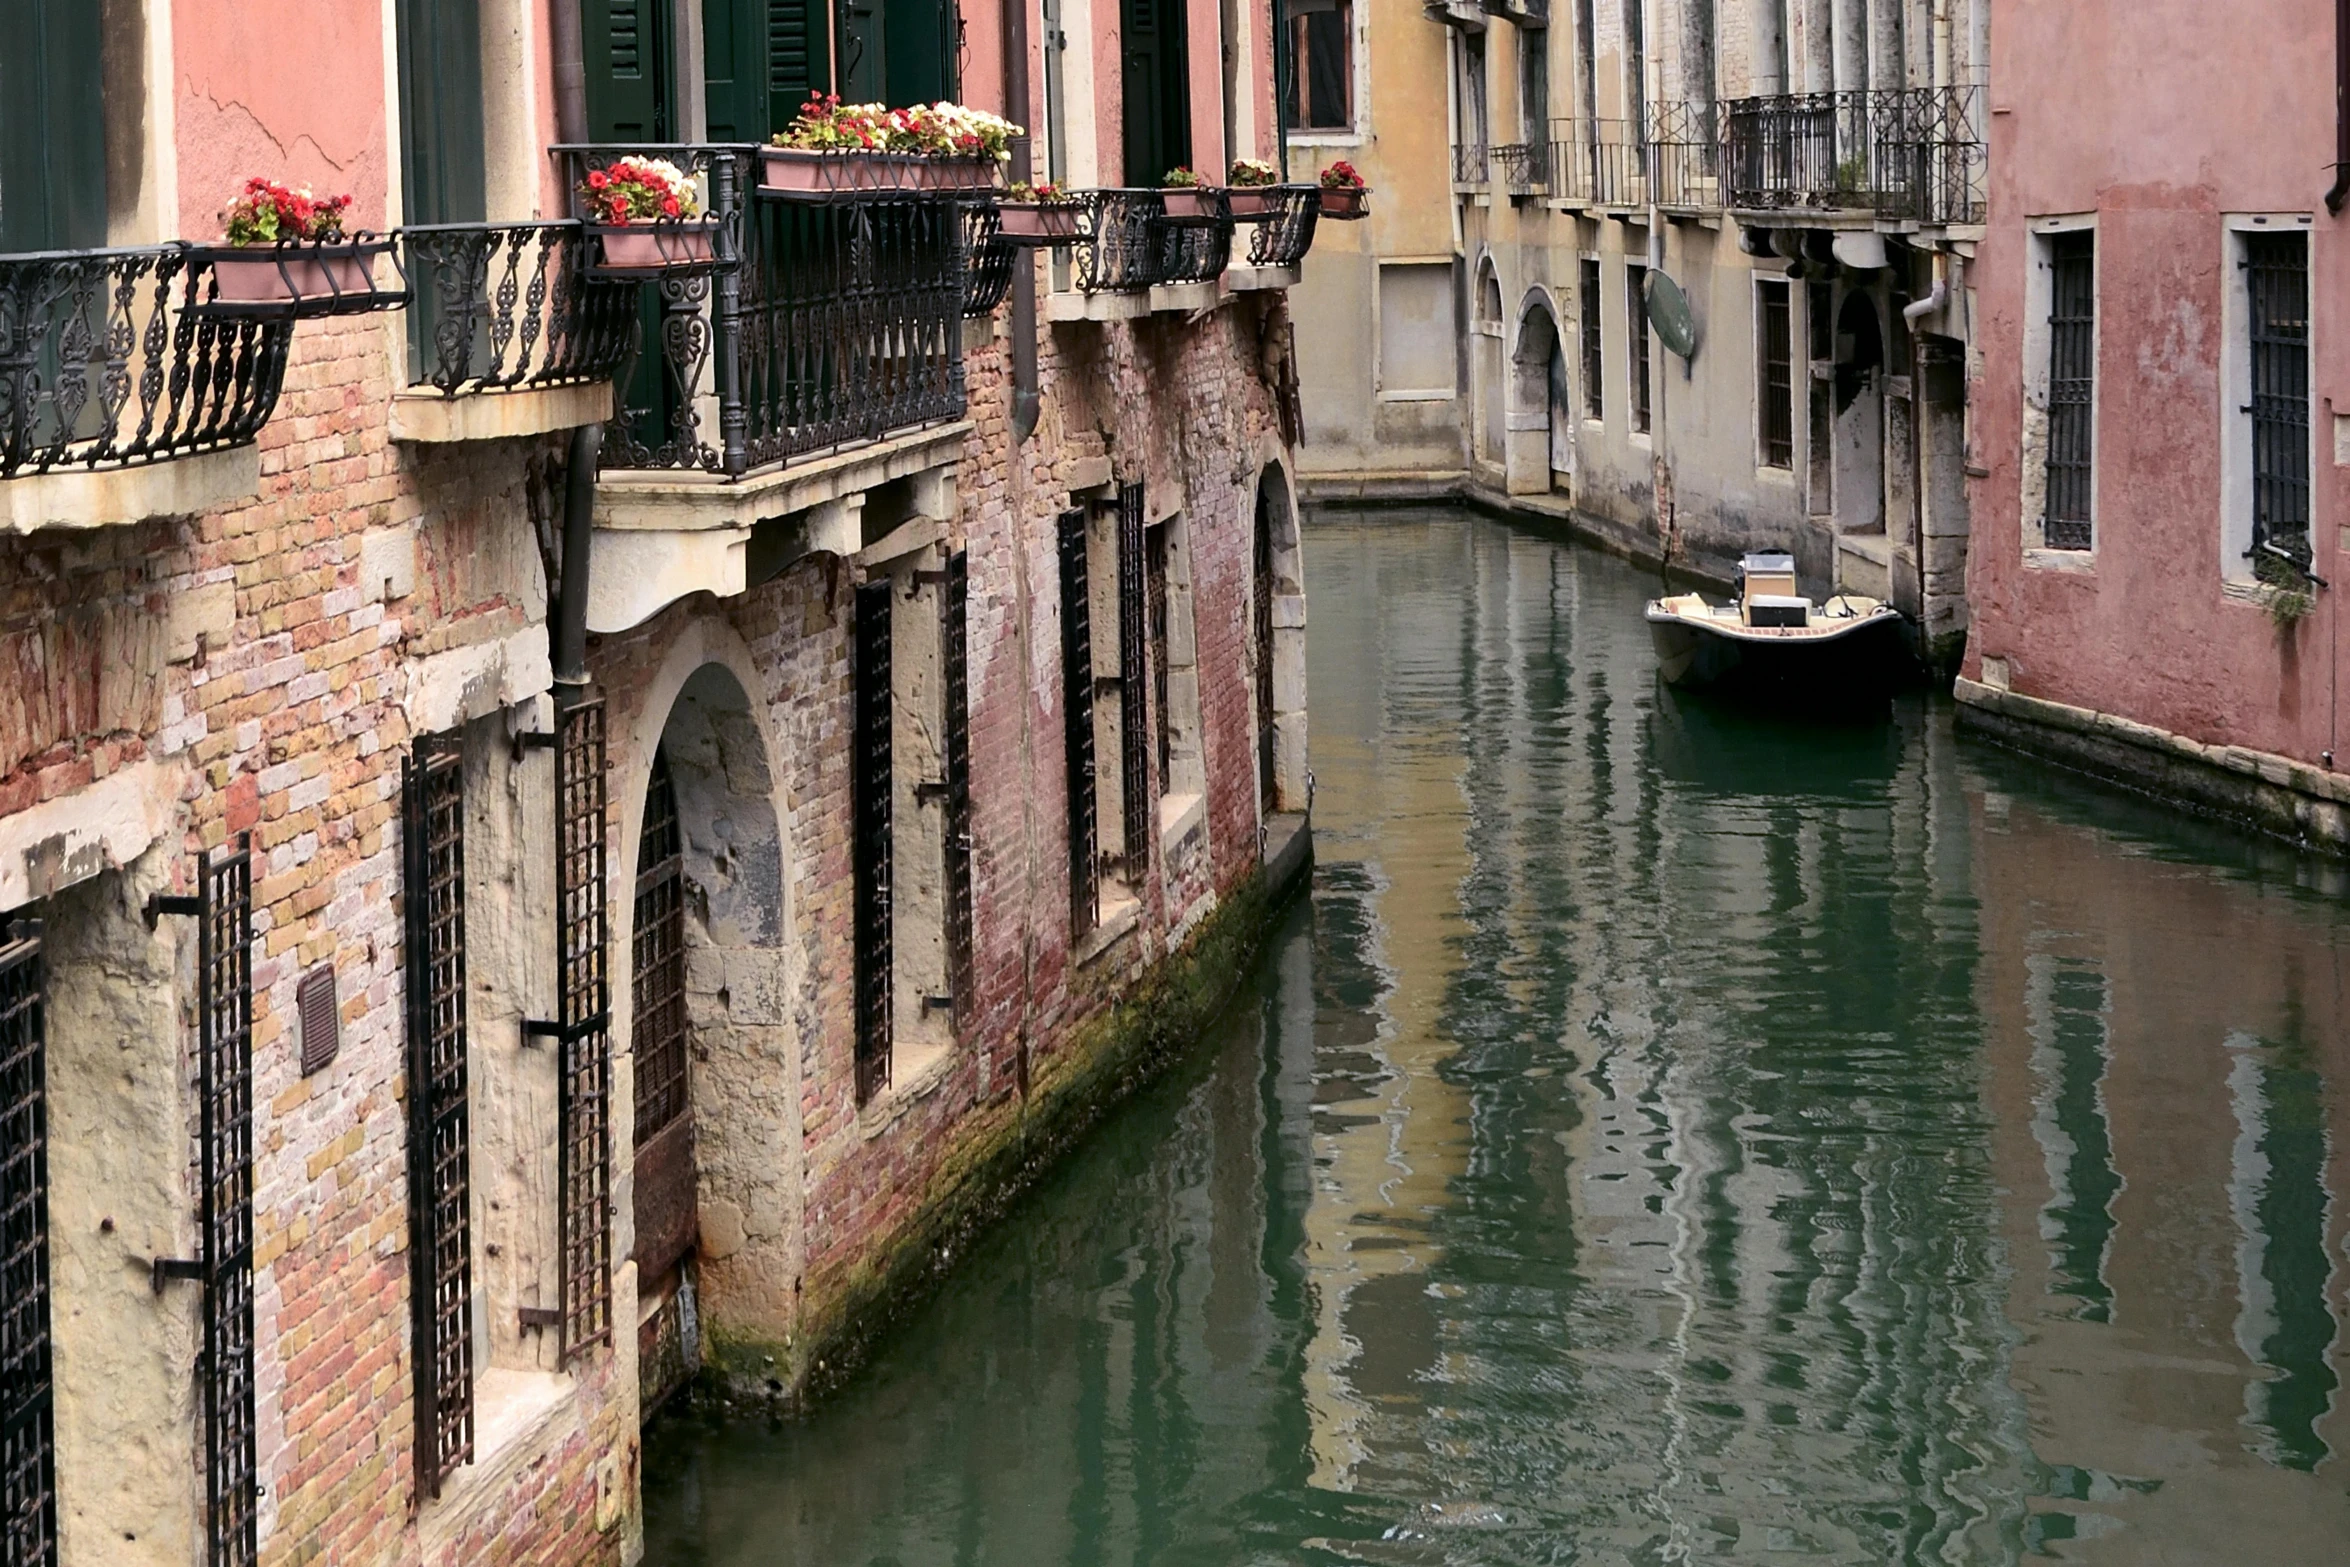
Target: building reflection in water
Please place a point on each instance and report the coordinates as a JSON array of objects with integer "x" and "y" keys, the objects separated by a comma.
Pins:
[{"x": 1668, "y": 1136}]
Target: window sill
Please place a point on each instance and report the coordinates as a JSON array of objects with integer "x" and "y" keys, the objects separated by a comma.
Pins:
[
  {"x": 1118, "y": 921},
  {"x": 517, "y": 1417},
  {"x": 1179, "y": 815},
  {"x": 1325, "y": 138},
  {"x": 921, "y": 1078},
  {"x": 2080, "y": 563}
]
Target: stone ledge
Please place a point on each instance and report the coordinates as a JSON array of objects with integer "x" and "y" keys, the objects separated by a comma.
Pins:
[
  {"x": 1246, "y": 279},
  {"x": 1183, "y": 298},
  {"x": 431, "y": 417},
  {"x": 2276, "y": 794},
  {"x": 102, "y": 826},
  {"x": 461, "y": 684},
  {"x": 520, "y": 1419},
  {"x": 1071, "y": 305},
  {"x": 95, "y": 498},
  {"x": 679, "y": 501}
]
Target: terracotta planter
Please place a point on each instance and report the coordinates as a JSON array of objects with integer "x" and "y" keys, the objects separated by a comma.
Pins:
[
  {"x": 1346, "y": 203},
  {"x": 1253, "y": 201},
  {"x": 1038, "y": 220},
  {"x": 977, "y": 172},
  {"x": 268, "y": 275},
  {"x": 1188, "y": 201},
  {"x": 893, "y": 171},
  {"x": 802, "y": 170},
  {"x": 658, "y": 247}
]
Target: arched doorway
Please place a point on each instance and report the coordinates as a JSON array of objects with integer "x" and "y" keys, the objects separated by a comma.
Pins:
[
  {"x": 712, "y": 1087},
  {"x": 1277, "y": 602},
  {"x": 1540, "y": 429},
  {"x": 1486, "y": 330}
]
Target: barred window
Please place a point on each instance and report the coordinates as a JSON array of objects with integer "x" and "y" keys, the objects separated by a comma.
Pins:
[
  {"x": 2276, "y": 270},
  {"x": 1636, "y": 322},
  {"x": 1776, "y": 398},
  {"x": 1594, "y": 395},
  {"x": 2072, "y": 371}
]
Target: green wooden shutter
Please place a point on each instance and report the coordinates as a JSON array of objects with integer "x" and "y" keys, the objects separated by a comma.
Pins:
[
  {"x": 919, "y": 58},
  {"x": 629, "y": 70},
  {"x": 52, "y": 127},
  {"x": 441, "y": 140},
  {"x": 864, "y": 51},
  {"x": 799, "y": 56},
  {"x": 734, "y": 69}
]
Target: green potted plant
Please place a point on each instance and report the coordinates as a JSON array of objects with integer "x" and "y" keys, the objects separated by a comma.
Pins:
[
  {"x": 1344, "y": 195},
  {"x": 1035, "y": 214},
  {"x": 647, "y": 217},
  {"x": 961, "y": 148},
  {"x": 1253, "y": 187},
  {"x": 1184, "y": 196},
  {"x": 821, "y": 150},
  {"x": 281, "y": 245}
]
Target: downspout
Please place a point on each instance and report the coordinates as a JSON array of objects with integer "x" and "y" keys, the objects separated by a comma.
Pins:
[
  {"x": 569, "y": 611},
  {"x": 1025, "y": 403},
  {"x": 1913, "y": 314},
  {"x": 2341, "y": 191}
]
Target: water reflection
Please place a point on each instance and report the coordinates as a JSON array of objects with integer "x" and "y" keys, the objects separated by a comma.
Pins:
[{"x": 1666, "y": 1137}]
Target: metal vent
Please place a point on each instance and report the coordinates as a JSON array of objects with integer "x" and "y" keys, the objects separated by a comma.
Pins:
[{"x": 318, "y": 1017}]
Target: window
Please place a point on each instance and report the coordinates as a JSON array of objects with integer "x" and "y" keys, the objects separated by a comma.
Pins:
[
  {"x": 1321, "y": 65},
  {"x": 1078, "y": 717},
  {"x": 1777, "y": 373},
  {"x": 1173, "y": 653},
  {"x": 1636, "y": 319},
  {"x": 1534, "y": 90},
  {"x": 870, "y": 733},
  {"x": 1586, "y": 64},
  {"x": 1155, "y": 612},
  {"x": 1820, "y": 319},
  {"x": 1635, "y": 74},
  {"x": 28, "y": 1460},
  {"x": 52, "y": 128},
  {"x": 2276, "y": 276},
  {"x": 1105, "y": 652},
  {"x": 1416, "y": 351},
  {"x": 1156, "y": 80},
  {"x": 2072, "y": 370},
  {"x": 1471, "y": 132},
  {"x": 1594, "y": 397}
]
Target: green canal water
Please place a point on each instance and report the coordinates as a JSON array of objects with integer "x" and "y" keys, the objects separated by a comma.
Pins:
[{"x": 1663, "y": 1136}]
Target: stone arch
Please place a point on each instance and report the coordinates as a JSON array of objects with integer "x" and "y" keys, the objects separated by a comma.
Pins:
[
  {"x": 1278, "y": 652},
  {"x": 700, "y": 1002},
  {"x": 1540, "y": 435},
  {"x": 1486, "y": 327}
]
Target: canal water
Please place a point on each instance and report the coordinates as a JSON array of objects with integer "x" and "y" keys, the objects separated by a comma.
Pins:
[{"x": 1663, "y": 1136}]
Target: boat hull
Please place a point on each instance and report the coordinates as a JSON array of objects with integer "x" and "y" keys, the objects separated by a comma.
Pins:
[{"x": 1866, "y": 661}]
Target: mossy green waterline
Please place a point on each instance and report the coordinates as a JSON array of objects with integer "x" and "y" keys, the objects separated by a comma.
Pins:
[{"x": 1665, "y": 1135}]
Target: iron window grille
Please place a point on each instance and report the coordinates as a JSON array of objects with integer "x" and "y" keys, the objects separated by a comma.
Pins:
[
  {"x": 1597, "y": 162},
  {"x": 1085, "y": 887},
  {"x": 2276, "y": 269},
  {"x": 1262, "y": 628},
  {"x": 873, "y": 783},
  {"x": 1778, "y": 375},
  {"x": 28, "y": 1437},
  {"x": 1134, "y": 684},
  {"x": 1636, "y": 320},
  {"x": 962, "y": 921},
  {"x": 1594, "y": 364},
  {"x": 108, "y": 358},
  {"x": 440, "y": 1132},
  {"x": 2072, "y": 371},
  {"x": 658, "y": 959},
  {"x": 222, "y": 906},
  {"x": 583, "y": 1025}
]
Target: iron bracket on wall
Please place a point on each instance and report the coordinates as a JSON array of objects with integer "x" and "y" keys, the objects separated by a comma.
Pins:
[
  {"x": 549, "y": 1028},
  {"x": 536, "y": 1317},
  {"x": 532, "y": 740},
  {"x": 163, "y": 1270},
  {"x": 163, "y": 903}
]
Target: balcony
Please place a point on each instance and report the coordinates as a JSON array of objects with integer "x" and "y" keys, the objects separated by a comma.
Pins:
[
  {"x": 1685, "y": 156},
  {"x": 510, "y": 334},
  {"x": 815, "y": 359},
  {"x": 1132, "y": 259},
  {"x": 1910, "y": 155},
  {"x": 1524, "y": 166},
  {"x": 1278, "y": 240},
  {"x": 1471, "y": 166},
  {"x": 1598, "y": 163},
  {"x": 125, "y": 394}
]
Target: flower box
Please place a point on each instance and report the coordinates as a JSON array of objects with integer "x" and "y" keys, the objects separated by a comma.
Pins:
[
  {"x": 1190, "y": 201},
  {"x": 961, "y": 173},
  {"x": 667, "y": 245},
  {"x": 1052, "y": 222},
  {"x": 302, "y": 277},
  {"x": 804, "y": 170},
  {"x": 1252, "y": 202},
  {"x": 1346, "y": 203}
]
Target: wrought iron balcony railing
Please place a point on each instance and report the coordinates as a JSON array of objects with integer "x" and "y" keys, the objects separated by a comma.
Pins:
[
  {"x": 1118, "y": 248},
  {"x": 1525, "y": 166},
  {"x": 106, "y": 361},
  {"x": 502, "y": 306},
  {"x": 1603, "y": 162},
  {"x": 987, "y": 277},
  {"x": 816, "y": 325},
  {"x": 1685, "y": 154},
  {"x": 1914, "y": 153},
  {"x": 1195, "y": 249},
  {"x": 1283, "y": 236},
  {"x": 1470, "y": 165}
]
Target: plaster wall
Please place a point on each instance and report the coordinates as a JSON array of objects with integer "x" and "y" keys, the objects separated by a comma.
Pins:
[{"x": 2107, "y": 110}]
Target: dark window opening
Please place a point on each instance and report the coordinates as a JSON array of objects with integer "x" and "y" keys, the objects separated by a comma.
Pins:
[
  {"x": 658, "y": 942},
  {"x": 1636, "y": 319},
  {"x": 1594, "y": 394},
  {"x": 1321, "y": 74},
  {"x": 1078, "y": 733},
  {"x": 1134, "y": 677},
  {"x": 1778, "y": 376},
  {"x": 873, "y": 783},
  {"x": 28, "y": 1453},
  {"x": 2072, "y": 371}
]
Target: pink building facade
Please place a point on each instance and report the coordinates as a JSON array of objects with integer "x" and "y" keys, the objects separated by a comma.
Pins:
[
  {"x": 565, "y": 828},
  {"x": 2160, "y": 444}
]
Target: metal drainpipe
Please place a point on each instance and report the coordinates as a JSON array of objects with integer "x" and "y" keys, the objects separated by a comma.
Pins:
[
  {"x": 2341, "y": 191},
  {"x": 569, "y": 611},
  {"x": 1025, "y": 402}
]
